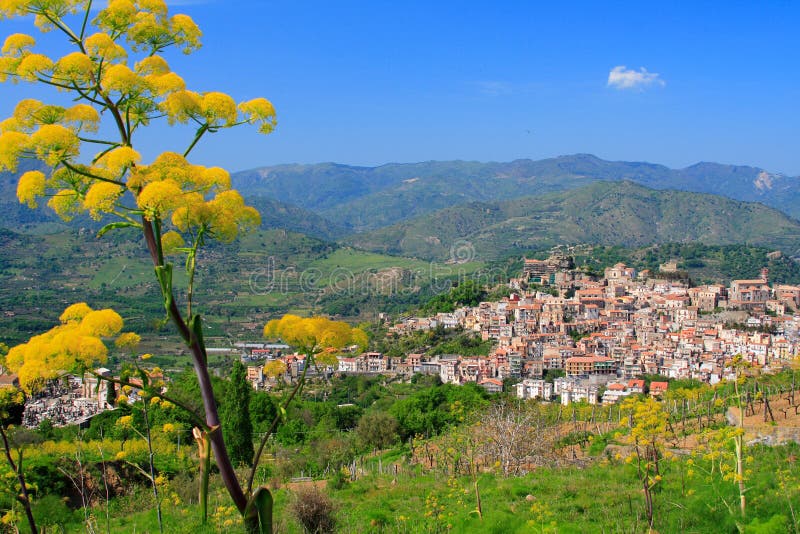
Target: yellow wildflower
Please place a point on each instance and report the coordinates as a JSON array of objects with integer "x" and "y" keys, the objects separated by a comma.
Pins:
[
  {"x": 186, "y": 32},
  {"x": 119, "y": 159},
  {"x": 122, "y": 79},
  {"x": 126, "y": 421},
  {"x": 12, "y": 145},
  {"x": 102, "y": 323},
  {"x": 65, "y": 203},
  {"x": 31, "y": 185},
  {"x": 117, "y": 16},
  {"x": 152, "y": 65},
  {"x": 54, "y": 143},
  {"x": 146, "y": 356},
  {"x": 16, "y": 43},
  {"x": 82, "y": 117},
  {"x": 181, "y": 106},
  {"x": 76, "y": 67},
  {"x": 101, "y": 198},
  {"x": 158, "y": 198},
  {"x": 171, "y": 242},
  {"x": 219, "y": 109},
  {"x": 75, "y": 312},
  {"x": 32, "y": 65},
  {"x": 102, "y": 46},
  {"x": 259, "y": 111},
  {"x": 128, "y": 340}
]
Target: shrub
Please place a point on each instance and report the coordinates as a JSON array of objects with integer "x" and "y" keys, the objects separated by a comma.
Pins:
[{"x": 314, "y": 510}]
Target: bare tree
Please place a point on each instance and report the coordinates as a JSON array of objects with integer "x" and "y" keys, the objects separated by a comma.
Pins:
[{"x": 512, "y": 437}]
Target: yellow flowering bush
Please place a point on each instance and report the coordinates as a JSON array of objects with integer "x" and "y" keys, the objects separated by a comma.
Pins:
[{"x": 76, "y": 344}]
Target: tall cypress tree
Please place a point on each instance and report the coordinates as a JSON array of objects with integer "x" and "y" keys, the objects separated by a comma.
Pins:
[{"x": 237, "y": 429}]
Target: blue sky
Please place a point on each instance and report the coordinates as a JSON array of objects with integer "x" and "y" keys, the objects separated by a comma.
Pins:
[{"x": 373, "y": 82}]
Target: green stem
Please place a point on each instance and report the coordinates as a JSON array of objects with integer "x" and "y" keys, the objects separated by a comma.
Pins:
[
  {"x": 200, "y": 132},
  {"x": 90, "y": 175},
  {"x": 151, "y": 460},
  {"x": 276, "y": 420},
  {"x": 224, "y": 464}
]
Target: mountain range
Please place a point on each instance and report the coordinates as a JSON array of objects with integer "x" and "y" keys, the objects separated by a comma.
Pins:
[
  {"x": 426, "y": 209},
  {"x": 359, "y": 199}
]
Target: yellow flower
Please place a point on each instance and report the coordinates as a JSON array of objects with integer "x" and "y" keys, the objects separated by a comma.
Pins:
[
  {"x": 76, "y": 67},
  {"x": 119, "y": 159},
  {"x": 126, "y": 421},
  {"x": 171, "y": 242},
  {"x": 154, "y": 6},
  {"x": 102, "y": 46},
  {"x": 101, "y": 198},
  {"x": 158, "y": 198},
  {"x": 16, "y": 43},
  {"x": 117, "y": 16},
  {"x": 54, "y": 143},
  {"x": 152, "y": 65},
  {"x": 82, "y": 117},
  {"x": 168, "y": 428},
  {"x": 215, "y": 177},
  {"x": 122, "y": 79},
  {"x": 75, "y": 312},
  {"x": 219, "y": 109},
  {"x": 65, "y": 203},
  {"x": 186, "y": 33},
  {"x": 12, "y": 145},
  {"x": 259, "y": 111},
  {"x": 181, "y": 106},
  {"x": 121, "y": 455},
  {"x": 146, "y": 356},
  {"x": 31, "y": 185},
  {"x": 105, "y": 322},
  {"x": 33, "y": 65},
  {"x": 128, "y": 340}
]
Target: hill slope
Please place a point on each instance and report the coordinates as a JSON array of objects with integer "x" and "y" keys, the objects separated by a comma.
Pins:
[{"x": 612, "y": 213}]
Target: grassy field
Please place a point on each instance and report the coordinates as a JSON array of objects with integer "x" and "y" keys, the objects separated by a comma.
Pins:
[{"x": 603, "y": 496}]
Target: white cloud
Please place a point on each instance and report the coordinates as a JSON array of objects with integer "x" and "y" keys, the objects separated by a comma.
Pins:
[{"x": 622, "y": 77}]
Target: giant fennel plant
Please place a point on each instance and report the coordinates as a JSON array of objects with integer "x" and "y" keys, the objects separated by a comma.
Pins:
[{"x": 114, "y": 68}]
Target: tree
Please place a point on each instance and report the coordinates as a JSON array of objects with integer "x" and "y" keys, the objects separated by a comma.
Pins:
[
  {"x": 511, "y": 436},
  {"x": 115, "y": 68},
  {"x": 236, "y": 425},
  {"x": 377, "y": 430}
]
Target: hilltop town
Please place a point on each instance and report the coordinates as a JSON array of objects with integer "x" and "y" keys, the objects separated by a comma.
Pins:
[{"x": 601, "y": 333}]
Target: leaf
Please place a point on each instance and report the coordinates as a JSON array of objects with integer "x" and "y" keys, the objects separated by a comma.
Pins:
[
  {"x": 196, "y": 326},
  {"x": 164, "y": 275},
  {"x": 259, "y": 507},
  {"x": 115, "y": 225}
]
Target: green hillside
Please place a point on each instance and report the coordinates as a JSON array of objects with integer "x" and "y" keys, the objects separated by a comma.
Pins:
[
  {"x": 240, "y": 285},
  {"x": 603, "y": 213}
]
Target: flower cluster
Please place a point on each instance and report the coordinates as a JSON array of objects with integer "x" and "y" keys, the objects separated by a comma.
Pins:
[
  {"x": 314, "y": 334},
  {"x": 76, "y": 344}
]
